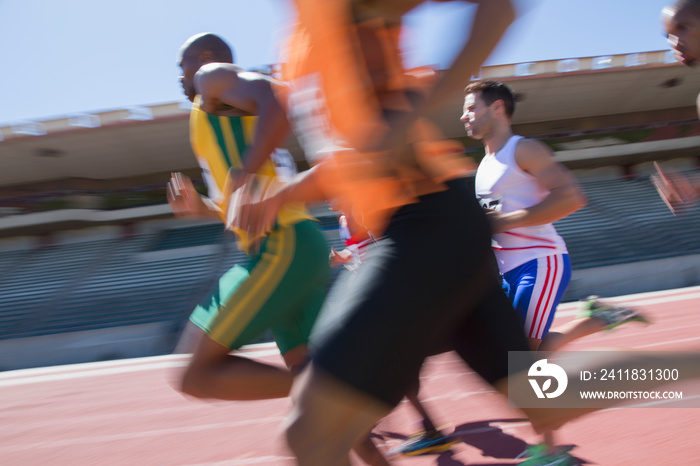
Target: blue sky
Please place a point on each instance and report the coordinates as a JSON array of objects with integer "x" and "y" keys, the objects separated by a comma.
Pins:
[{"x": 63, "y": 56}]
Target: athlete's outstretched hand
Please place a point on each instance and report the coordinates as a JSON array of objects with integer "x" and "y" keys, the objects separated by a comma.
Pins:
[
  {"x": 338, "y": 258},
  {"x": 184, "y": 198},
  {"x": 675, "y": 189},
  {"x": 253, "y": 207}
]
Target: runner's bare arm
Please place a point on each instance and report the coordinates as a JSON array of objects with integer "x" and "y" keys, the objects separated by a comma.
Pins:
[
  {"x": 257, "y": 215},
  {"x": 675, "y": 189},
  {"x": 272, "y": 127},
  {"x": 252, "y": 94},
  {"x": 565, "y": 195},
  {"x": 488, "y": 26}
]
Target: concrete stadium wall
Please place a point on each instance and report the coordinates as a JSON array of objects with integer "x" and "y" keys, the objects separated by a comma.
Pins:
[
  {"x": 86, "y": 346},
  {"x": 636, "y": 277},
  {"x": 159, "y": 338}
]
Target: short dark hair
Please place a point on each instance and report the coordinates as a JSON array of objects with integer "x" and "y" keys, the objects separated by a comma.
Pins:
[
  {"x": 208, "y": 42},
  {"x": 692, "y": 4},
  {"x": 491, "y": 91}
]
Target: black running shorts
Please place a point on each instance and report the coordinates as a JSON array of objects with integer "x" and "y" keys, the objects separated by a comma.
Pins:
[{"x": 430, "y": 282}]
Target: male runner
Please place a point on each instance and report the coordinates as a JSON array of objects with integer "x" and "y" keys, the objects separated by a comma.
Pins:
[
  {"x": 524, "y": 190},
  {"x": 682, "y": 23},
  {"x": 235, "y": 125},
  {"x": 354, "y": 104}
]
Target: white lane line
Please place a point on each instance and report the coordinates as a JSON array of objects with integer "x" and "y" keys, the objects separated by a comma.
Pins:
[
  {"x": 256, "y": 460},
  {"x": 88, "y": 366},
  {"x": 642, "y": 299},
  {"x": 11, "y": 382},
  {"x": 64, "y": 417},
  {"x": 77, "y": 371},
  {"x": 97, "y": 369},
  {"x": 459, "y": 395},
  {"x": 660, "y": 343},
  {"x": 139, "y": 434}
]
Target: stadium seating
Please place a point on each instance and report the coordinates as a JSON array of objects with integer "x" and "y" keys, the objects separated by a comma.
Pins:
[
  {"x": 160, "y": 276},
  {"x": 626, "y": 221}
]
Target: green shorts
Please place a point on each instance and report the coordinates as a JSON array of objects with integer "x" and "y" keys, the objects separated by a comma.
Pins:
[{"x": 281, "y": 289}]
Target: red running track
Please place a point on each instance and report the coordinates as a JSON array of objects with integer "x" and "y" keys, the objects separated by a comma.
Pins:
[{"x": 127, "y": 413}]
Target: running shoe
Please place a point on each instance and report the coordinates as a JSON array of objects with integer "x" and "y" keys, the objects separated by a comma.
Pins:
[
  {"x": 540, "y": 455},
  {"x": 612, "y": 316},
  {"x": 424, "y": 443}
]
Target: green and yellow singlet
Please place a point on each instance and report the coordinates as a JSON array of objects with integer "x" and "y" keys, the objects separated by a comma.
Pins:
[{"x": 219, "y": 144}]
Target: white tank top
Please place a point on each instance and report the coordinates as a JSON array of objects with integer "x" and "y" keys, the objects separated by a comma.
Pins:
[{"x": 503, "y": 186}]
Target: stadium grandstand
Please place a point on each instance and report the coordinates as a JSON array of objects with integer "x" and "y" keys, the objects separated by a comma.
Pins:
[{"x": 94, "y": 266}]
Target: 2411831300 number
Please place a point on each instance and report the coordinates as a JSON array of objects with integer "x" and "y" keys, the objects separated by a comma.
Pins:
[{"x": 639, "y": 374}]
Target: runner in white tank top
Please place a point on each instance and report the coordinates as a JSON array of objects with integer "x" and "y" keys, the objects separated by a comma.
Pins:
[
  {"x": 524, "y": 191},
  {"x": 502, "y": 186}
]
